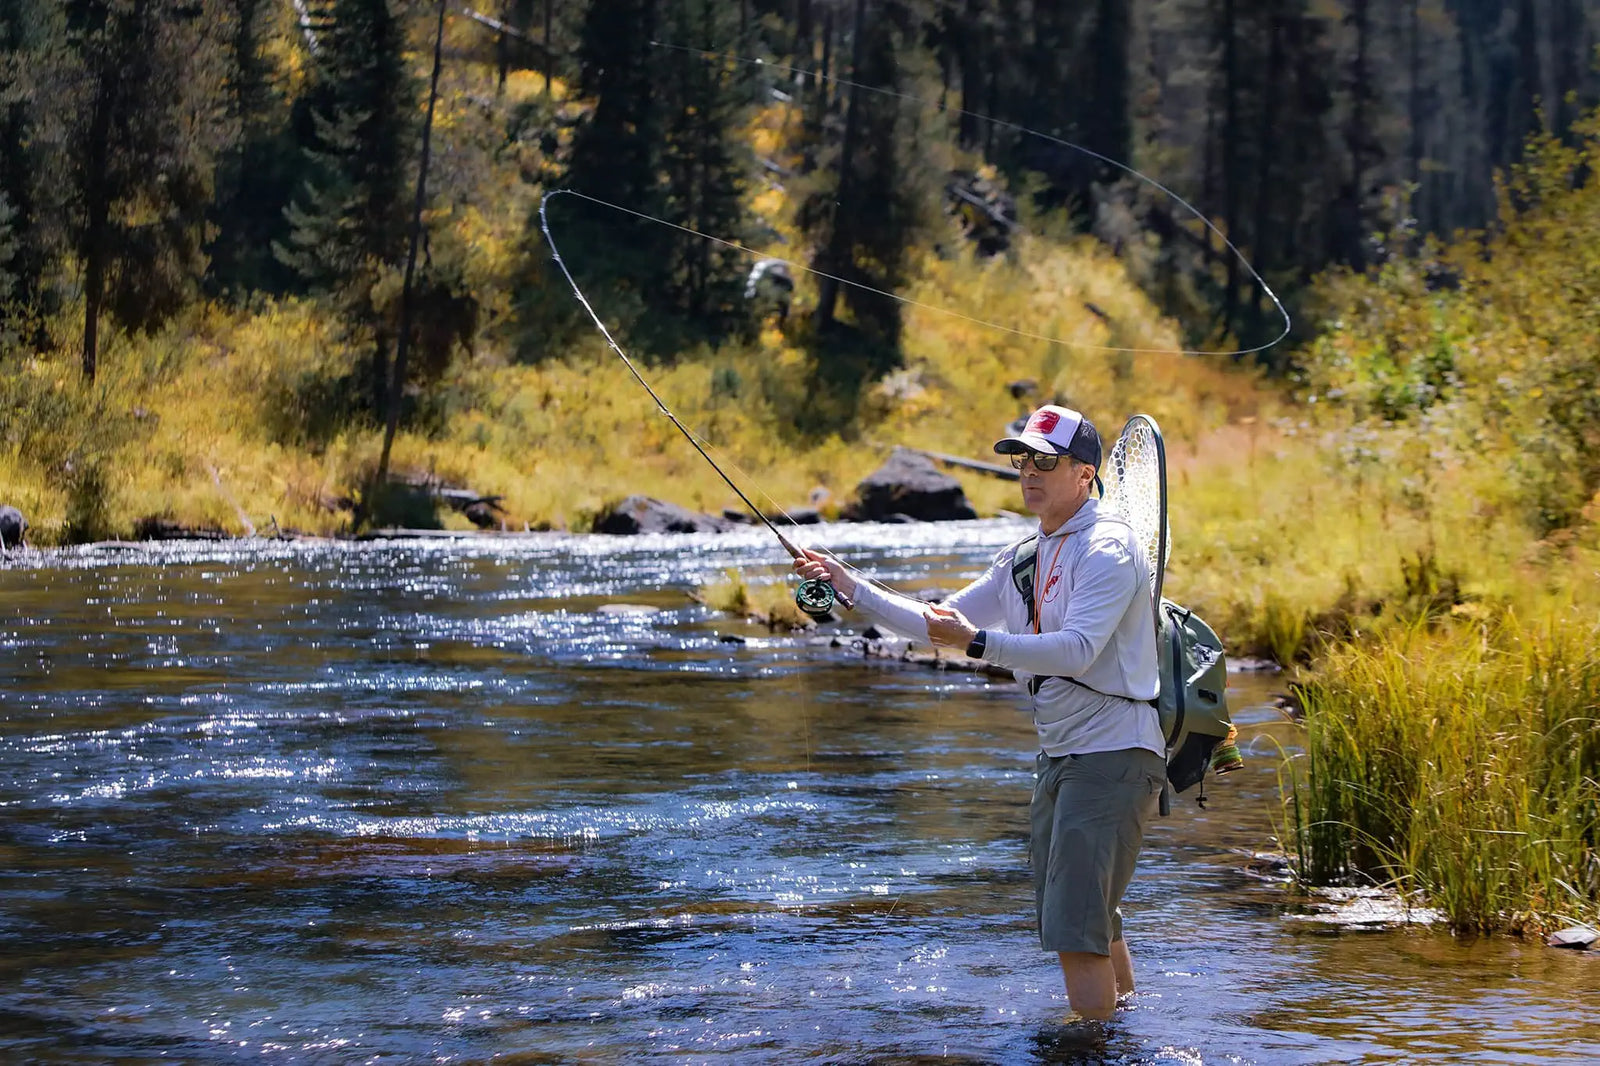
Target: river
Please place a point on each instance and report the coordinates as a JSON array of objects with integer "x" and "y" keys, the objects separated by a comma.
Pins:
[{"x": 425, "y": 801}]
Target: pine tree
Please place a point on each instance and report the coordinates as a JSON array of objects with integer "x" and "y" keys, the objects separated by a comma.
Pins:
[
  {"x": 21, "y": 254},
  {"x": 615, "y": 155},
  {"x": 880, "y": 182},
  {"x": 705, "y": 164},
  {"x": 123, "y": 97},
  {"x": 260, "y": 171},
  {"x": 663, "y": 141},
  {"x": 347, "y": 227},
  {"x": 355, "y": 126}
]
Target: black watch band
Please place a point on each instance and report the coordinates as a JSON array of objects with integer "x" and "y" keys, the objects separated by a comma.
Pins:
[{"x": 979, "y": 642}]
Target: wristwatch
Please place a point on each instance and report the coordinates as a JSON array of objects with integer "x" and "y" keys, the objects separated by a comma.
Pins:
[{"x": 975, "y": 649}]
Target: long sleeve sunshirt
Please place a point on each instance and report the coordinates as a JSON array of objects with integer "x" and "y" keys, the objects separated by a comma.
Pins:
[{"x": 1096, "y": 624}]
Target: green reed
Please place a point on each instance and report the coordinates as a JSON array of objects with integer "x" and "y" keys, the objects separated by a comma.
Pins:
[{"x": 1458, "y": 766}]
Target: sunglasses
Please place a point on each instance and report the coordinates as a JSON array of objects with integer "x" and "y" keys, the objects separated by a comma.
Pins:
[{"x": 1042, "y": 462}]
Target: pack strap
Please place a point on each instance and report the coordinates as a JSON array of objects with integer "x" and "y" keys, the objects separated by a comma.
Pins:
[{"x": 1024, "y": 568}]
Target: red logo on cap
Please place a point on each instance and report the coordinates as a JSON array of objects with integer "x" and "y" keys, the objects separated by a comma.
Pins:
[{"x": 1044, "y": 422}]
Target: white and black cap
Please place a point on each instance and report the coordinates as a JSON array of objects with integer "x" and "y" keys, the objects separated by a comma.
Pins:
[{"x": 1057, "y": 430}]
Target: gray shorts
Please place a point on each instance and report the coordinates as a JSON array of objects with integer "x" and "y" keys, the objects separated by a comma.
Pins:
[{"x": 1089, "y": 815}]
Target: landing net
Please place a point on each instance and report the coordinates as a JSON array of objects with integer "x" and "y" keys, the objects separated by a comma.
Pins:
[{"x": 1136, "y": 488}]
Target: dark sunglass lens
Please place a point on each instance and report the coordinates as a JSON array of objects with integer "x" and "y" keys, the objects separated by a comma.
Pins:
[
  {"x": 1018, "y": 460},
  {"x": 1044, "y": 463}
]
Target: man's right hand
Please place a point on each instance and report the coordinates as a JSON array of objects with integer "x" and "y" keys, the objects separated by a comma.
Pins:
[{"x": 813, "y": 564}]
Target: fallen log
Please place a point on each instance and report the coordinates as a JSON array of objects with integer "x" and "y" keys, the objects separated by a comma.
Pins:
[{"x": 1005, "y": 472}]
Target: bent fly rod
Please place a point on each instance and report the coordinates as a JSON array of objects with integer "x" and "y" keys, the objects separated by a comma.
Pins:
[{"x": 814, "y": 596}]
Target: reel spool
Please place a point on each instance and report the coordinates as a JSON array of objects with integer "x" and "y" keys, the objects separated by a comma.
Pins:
[{"x": 815, "y": 597}]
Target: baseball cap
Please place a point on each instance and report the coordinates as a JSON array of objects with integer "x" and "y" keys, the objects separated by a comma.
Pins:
[{"x": 1058, "y": 430}]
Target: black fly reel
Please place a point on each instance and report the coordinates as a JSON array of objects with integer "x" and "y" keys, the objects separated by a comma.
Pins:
[{"x": 815, "y": 597}]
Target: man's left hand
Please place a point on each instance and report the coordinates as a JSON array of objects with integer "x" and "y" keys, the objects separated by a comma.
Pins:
[{"x": 949, "y": 628}]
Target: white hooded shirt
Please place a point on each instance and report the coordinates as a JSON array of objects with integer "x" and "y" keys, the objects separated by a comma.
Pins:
[{"x": 1096, "y": 624}]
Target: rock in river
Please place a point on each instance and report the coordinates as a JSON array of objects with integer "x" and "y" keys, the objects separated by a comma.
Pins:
[
  {"x": 909, "y": 485},
  {"x": 644, "y": 514},
  {"x": 1579, "y": 937}
]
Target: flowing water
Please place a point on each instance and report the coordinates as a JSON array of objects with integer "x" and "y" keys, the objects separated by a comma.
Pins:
[{"x": 428, "y": 802}]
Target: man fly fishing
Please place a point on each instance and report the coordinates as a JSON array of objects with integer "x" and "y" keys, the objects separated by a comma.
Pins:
[{"x": 1082, "y": 642}]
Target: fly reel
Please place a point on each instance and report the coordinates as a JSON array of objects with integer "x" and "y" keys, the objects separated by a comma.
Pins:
[{"x": 815, "y": 597}]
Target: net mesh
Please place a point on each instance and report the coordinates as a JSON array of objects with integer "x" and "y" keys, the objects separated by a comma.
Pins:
[{"x": 1133, "y": 489}]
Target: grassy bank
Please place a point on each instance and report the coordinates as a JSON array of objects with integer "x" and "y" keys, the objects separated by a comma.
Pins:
[
  {"x": 1457, "y": 757},
  {"x": 230, "y": 417},
  {"x": 1460, "y": 767}
]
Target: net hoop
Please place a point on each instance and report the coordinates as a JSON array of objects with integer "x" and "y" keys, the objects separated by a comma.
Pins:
[{"x": 1136, "y": 488}]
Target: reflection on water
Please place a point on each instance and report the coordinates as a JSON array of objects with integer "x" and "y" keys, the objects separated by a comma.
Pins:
[{"x": 329, "y": 803}]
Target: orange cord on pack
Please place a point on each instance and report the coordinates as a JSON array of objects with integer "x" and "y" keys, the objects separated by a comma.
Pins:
[{"x": 1038, "y": 601}]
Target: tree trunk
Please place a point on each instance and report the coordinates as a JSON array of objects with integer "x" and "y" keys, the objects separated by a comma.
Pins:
[
  {"x": 1230, "y": 155},
  {"x": 802, "y": 50},
  {"x": 971, "y": 76},
  {"x": 1569, "y": 48},
  {"x": 824, "y": 84},
  {"x": 1414, "y": 34},
  {"x": 98, "y": 211},
  {"x": 502, "y": 48},
  {"x": 1349, "y": 215},
  {"x": 1530, "y": 74},
  {"x": 1273, "y": 90},
  {"x": 402, "y": 343},
  {"x": 549, "y": 56},
  {"x": 839, "y": 242}
]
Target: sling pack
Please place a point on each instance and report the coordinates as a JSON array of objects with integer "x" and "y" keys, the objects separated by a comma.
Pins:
[{"x": 1193, "y": 673}]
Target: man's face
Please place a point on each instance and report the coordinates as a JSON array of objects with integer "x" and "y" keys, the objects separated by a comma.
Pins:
[{"x": 1061, "y": 489}]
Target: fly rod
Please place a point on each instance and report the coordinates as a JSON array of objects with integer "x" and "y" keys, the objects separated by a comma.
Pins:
[{"x": 815, "y": 596}]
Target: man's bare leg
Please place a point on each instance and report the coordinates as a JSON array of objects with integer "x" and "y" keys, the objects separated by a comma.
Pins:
[
  {"x": 1122, "y": 964},
  {"x": 1091, "y": 983}
]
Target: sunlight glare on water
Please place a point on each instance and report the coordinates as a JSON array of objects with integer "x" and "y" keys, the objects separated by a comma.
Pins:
[{"x": 426, "y": 801}]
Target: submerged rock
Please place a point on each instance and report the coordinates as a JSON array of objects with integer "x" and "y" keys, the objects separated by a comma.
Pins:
[
  {"x": 909, "y": 487},
  {"x": 1579, "y": 937},
  {"x": 645, "y": 514},
  {"x": 627, "y": 609}
]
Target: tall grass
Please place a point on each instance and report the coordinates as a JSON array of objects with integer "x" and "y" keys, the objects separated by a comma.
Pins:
[{"x": 1461, "y": 765}]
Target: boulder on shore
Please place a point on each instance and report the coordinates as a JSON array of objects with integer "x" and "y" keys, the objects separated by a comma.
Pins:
[
  {"x": 13, "y": 528},
  {"x": 644, "y": 514},
  {"x": 908, "y": 485},
  {"x": 483, "y": 514}
]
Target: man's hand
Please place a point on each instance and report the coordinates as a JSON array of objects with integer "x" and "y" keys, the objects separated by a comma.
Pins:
[
  {"x": 813, "y": 564},
  {"x": 949, "y": 628}
]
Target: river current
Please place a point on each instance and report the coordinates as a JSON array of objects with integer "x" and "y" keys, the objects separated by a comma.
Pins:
[{"x": 428, "y": 801}]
